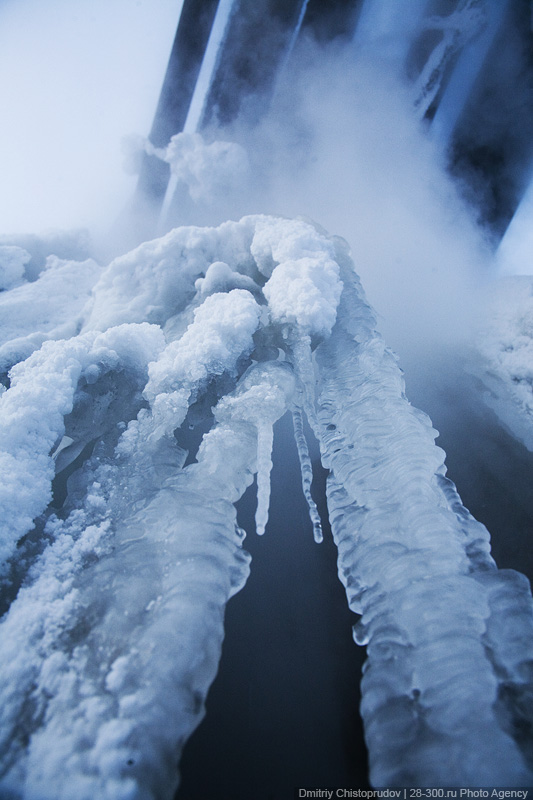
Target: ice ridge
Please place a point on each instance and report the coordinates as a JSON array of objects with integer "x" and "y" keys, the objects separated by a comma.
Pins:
[{"x": 448, "y": 634}]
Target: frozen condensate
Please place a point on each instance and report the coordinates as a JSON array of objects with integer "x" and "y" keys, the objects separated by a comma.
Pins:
[
  {"x": 155, "y": 418},
  {"x": 447, "y": 687}
]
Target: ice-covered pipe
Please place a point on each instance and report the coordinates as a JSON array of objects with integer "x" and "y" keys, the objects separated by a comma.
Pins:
[
  {"x": 118, "y": 639},
  {"x": 447, "y": 681},
  {"x": 123, "y": 607}
]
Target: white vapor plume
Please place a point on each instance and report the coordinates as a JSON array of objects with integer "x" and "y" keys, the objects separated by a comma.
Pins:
[{"x": 342, "y": 145}]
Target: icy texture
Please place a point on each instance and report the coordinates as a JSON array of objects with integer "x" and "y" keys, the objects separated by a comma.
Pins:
[
  {"x": 221, "y": 278},
  {"x": 113, "y": 633},
  {"x": 156, "y": 281},
  {"x": 447, "y": 683},
  {"x": 265, "y": 441},
  {"x": 49, "y": 308},
  {"x": 32, "y": 415},
  {"x": 306, "y": 468},
  {"x": 155, "y": 419},
  {"x": 504, "y": 355},
  {"x": 117, "y": 640},
  {"x": 221, "y": 332},
  {"x": 67, "y": 245}
]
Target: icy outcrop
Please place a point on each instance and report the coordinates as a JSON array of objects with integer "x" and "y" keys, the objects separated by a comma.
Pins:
[
  {"x": 207, "y": 169},
  {"x": 199, "y": 341},
  {"x": 66, "y": 245}
]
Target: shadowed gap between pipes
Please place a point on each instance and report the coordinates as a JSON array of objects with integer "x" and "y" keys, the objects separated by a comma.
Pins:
[{"x": 284, "y": 709}]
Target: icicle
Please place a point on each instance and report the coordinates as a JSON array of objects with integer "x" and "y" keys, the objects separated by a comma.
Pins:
[
  {"x": 265, "y": 440},
  {"x": 303, "y": 364},
  {"x": 264, "y": 394},
  {"x": 307, "y": 471}
]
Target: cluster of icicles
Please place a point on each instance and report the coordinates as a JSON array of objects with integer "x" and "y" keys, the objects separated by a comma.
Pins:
[{"x": 118, "y": 588}]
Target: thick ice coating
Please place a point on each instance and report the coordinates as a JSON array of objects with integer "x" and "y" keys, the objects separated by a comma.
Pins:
[
  {"x": 125, "y": 448},
  {"x": 444, "y": 690}
]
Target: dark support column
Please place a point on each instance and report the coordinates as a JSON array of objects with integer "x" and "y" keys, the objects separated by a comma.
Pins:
[
  {"x": 328, "y": 21},
  {"x": 492, "y": 146},
  {"x": 258, "y": 36},
  {"x": 257, "y": 40},
  {"x": 182, "y": 72}
]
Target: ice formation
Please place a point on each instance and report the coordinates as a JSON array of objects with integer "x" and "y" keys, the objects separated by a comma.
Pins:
[
  {"x": 56, "y": 299},
  {"x": 448, "y": 634},
  {"x": 116, "y": 573},
  {"x": 207, "y": 169},
  {"x": 306, "y": 468}
]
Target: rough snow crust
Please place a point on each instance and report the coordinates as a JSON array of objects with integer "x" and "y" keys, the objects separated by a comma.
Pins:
[
  {"x": 48, "y": 308},
  {"x": 115, "y": 592}
]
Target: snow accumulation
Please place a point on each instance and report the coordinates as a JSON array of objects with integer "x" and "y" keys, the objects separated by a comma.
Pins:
[
  {"x": 120, "y": 549},
  {"x": 48, "y": 308},
  {"x": 207, "y": 169}
]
